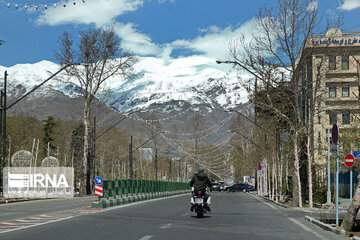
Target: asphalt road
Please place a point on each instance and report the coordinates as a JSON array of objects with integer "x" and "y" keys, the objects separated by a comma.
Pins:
[
  {"x": 233, "y": 216},
  {"x": 24, "y": 209}
]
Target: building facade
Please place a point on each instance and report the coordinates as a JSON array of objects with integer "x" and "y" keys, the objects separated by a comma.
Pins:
[{"x": 329, "y": 81}]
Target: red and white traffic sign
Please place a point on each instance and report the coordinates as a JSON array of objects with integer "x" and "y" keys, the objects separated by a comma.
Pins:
[
  {"x": 349, "y": 160},
  {"x": 98, "y": 190}
]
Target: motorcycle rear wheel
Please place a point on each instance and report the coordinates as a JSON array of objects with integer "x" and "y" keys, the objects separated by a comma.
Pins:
[{"x": 200, "y": 214}]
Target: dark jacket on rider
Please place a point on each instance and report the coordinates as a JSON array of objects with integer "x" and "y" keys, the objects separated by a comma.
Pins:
[{"x": 200, "y": 182}]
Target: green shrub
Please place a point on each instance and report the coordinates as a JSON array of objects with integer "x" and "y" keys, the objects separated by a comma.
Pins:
[{"x": 320, "y": 194}]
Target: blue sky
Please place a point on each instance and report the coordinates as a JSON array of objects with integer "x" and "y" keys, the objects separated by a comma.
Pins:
[{"x": 159, "y": 28}]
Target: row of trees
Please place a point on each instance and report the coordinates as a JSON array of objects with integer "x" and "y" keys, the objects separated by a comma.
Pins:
[
  {"x": 283, "y": 102},
  {"x": 64, "y": 140}
]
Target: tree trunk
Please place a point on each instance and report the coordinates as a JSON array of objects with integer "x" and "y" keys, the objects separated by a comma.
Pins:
[
  {"x": 258, "y": 183},
  {"x": 287, "y": 174},
  {"x": 349, "y": 219},
  {"x": 84, "y": 182},
  {"x": 309, "y": 172},
  {"x": 268, "y": 180},
  {"x": 272, "y": 181},
  {"x": 297, "y": 170},
  {"x": 280, "y": 179},
  {"x": 276, "y": 182}
]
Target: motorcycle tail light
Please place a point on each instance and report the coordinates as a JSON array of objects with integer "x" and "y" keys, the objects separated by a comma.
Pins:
[{"x": 199, "y": 193}]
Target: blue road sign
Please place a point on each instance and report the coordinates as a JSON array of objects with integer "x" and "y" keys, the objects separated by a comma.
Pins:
[
  {"x": 356, "y": 154},
  {"x": 98, "y": 180}
]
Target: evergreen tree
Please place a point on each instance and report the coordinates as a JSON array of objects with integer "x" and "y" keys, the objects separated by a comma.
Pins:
[{"x": 48, "y": 134}]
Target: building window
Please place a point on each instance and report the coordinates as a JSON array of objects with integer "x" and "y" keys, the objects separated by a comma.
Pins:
[
  {"x": 333, "y": 117},
  {"x": 346, "y": 117},
  {"x": 319, "y": 137},
  {"x": 345, "y": 90},
  {"x": 332, "y": 91},
  {"x": 332, "y": 62},
  {"x": 345, "y": 62}
]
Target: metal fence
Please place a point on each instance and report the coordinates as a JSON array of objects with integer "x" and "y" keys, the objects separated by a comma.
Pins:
[{"x": 140, "y": 188}]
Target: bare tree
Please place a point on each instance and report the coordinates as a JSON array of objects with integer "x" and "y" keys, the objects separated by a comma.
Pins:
[
  {"x": 277, "y": 41},
  {"x": 101, "y": 53}
]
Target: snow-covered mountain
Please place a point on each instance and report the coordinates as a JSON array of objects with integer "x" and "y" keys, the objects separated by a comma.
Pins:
[{"x": 161, "y": 86}]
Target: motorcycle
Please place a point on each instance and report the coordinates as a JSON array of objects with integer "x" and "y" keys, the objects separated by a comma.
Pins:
[{"x": 200, "y": 203}]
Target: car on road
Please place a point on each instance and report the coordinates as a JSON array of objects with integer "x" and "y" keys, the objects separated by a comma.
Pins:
[
  {"x": 215, "y": 186},
  {"x": 243, "y": 187}
]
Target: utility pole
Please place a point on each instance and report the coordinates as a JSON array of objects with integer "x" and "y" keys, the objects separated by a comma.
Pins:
[
  {"x": 3, "y": 130},
  {"x": 169, "y": 167},
  {"x": 156, "y": 164},
  {"x": 131, "y": 158},
  {"x": 94, "y": 147}
]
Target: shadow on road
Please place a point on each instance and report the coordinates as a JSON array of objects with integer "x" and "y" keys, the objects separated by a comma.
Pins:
[{"x": 201, "y": 217}]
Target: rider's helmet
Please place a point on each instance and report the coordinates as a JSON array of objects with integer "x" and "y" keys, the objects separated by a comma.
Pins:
[{"x": 201, "y": 172}]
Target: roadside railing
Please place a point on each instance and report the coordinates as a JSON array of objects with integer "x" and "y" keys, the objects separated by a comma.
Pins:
[{"x": 121, "y": 191}]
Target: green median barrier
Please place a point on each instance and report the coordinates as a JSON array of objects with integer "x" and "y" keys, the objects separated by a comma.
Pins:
[
  {"x": 116, "y": 187},
  {"x": 128, "y": 189},
  {"x": 142, "y": 189},
  {"x": 152, "y": 188},
  {"x": 157, "y": 188},
  {"x": 147, "y": 189},
  {"x": 135, "y": 188}
]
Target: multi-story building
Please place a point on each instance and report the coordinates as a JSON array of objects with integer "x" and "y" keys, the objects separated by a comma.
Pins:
[{"x": 330, "y": 82}]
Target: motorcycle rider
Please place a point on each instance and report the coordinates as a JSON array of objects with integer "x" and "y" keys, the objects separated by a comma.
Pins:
[{"x": 199, "y": 182}]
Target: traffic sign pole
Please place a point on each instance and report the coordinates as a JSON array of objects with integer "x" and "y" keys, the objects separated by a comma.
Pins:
[
  {"x": 337, "y": 187},
  {"x": 329, "y": 190},
  {"x": 351, "y": 179},
  {"x": 349, "y": 162}
]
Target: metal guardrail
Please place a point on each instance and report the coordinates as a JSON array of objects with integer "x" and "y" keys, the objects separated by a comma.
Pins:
[{"x": 136, "y": 188}]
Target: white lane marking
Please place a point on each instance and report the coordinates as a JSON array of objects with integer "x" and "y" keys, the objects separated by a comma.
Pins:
[
  {"x": 270, "y": 205},
  {"x": 306, "y": 228},
  {"x": 186, "y": 214},
  {"x": 147, "y": 237},
  {"x": 8, "y": 223},
  {"x": 38, "y": 224},
  {"x": 166, "y": 226}
]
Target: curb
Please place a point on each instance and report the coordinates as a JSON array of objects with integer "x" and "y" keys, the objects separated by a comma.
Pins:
[
  {"x": 269, "y": 200},
  {"x": 104, "y": 203},
  {"x": 325, "y": 226},
  {"x": 355, "y": 238}
]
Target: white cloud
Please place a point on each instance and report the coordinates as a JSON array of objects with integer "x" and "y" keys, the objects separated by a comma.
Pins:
[
  {"x": 212, "y": 42},
  {"x": 215, "y": 41},
  {"x": 349, "y": 5},
  {"x": 313, "y": 6},
  {"x": 135, "y": 41},
  {"x": 92, "y": 11}
]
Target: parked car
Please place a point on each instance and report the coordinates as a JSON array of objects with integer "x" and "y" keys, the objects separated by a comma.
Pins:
[
  {"x": 215, "y": 186},
  {"x": 243, "y": 187}
]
